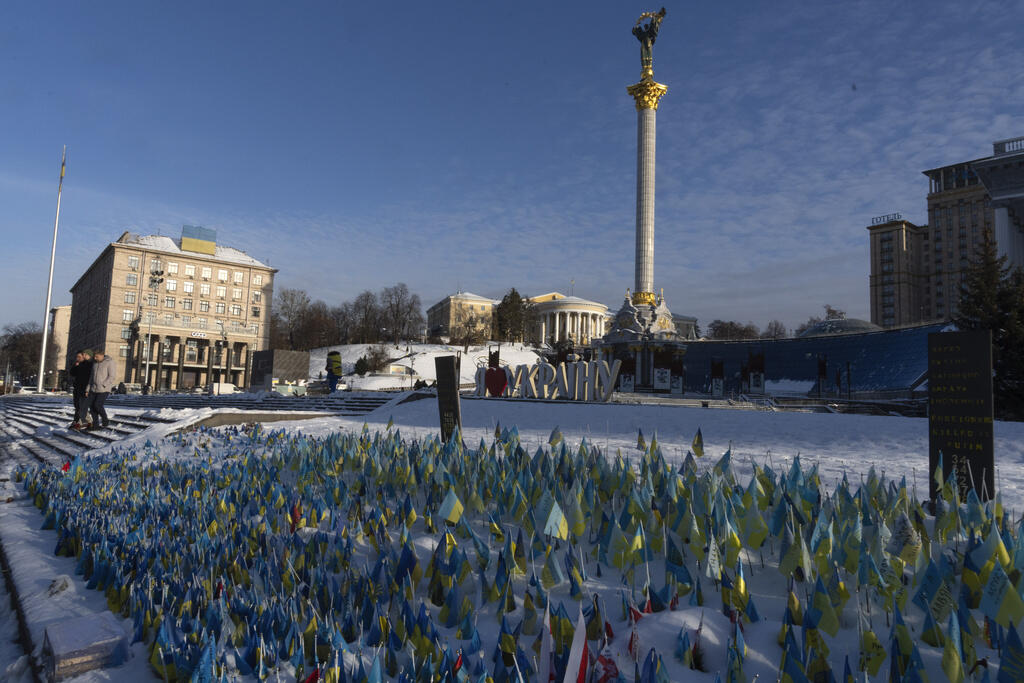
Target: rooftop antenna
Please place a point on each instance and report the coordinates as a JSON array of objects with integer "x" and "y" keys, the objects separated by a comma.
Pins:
[{"x": 572, "y": 287}]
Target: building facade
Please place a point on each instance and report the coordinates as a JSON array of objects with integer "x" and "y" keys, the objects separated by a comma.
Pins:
[
  {"x": 174, "y": 313},
  {"x": 461, "y": 313},
  {"x": 917, "y": 270},
  {"x": 561, "y": 318},
  {"x": 1003, "y": 177},
  {"x": 895, "y": 282},
  {"x": 58, "y": 355}
]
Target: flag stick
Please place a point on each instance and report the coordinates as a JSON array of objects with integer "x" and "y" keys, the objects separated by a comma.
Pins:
[{"x": 49, "y": 282}]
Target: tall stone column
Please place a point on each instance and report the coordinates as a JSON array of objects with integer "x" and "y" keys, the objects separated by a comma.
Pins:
[
  {"x": 646, "y": 94},
  {"x": 182, "y": 347}
]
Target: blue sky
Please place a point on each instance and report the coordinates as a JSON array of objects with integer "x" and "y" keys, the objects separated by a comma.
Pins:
[{"x": 483, "y": 146}]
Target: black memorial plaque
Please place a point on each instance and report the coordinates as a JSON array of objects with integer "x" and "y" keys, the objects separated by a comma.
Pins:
[
  {"x": 447, "y": 368},
  {"x": 960, "y": 410}
]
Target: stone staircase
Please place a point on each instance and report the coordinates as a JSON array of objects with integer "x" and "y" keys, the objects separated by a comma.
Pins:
[{"x": 33, "y": 429}]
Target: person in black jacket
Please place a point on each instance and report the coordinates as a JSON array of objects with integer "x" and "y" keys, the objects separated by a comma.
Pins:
[{"x": 80, "y": 373}]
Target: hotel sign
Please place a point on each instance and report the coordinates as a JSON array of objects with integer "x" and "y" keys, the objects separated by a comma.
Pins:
[
  {"x": 960, "y": 410},
  {"x": 887, "y": 218}
]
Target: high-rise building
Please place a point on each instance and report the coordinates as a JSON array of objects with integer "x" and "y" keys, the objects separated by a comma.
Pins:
[
  {"x": 917, "y": 270},
  {"x": 895, "y": 281},
  {"x": 1003, "y": 176},
  {"x": 959, "y": 215},
  {"x": 174, "y": 313}
]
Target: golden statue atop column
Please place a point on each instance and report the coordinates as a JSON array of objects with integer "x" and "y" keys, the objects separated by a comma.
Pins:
[{"x": 647, "y": 92}]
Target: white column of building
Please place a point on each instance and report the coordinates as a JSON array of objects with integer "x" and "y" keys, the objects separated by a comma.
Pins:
[
  {"x": 543, "y": 320},
  {"x": 554, "y": 326}
]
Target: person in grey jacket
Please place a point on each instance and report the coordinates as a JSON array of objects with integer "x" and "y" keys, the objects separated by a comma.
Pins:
[{"x": 100, "y": 384}]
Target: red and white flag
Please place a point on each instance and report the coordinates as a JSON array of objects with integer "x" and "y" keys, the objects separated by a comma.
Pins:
[{"x": 579, "y": 658}]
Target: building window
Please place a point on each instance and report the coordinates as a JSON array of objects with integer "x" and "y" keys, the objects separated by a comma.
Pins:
[
  {"x": 155, "y": 264},
  {"x": 122, "y": 350},
  {"x": 237, "y": 277},
  {"x": 172, "y": 268},
  {"x": 127, "y": 315},
  {"x": 220, "y": 308},
  {"x": 255, "y": 329},
  {"x": 204, "y": 289},
  {"x": 221, "y": 291},
  {"x": 131, "y": 280},
  {"x": 236, "y": 293},
  {"x": 201, "y": 323},
  {"x": 168, "y": 302},
  {"x": 186, "y": 304},
  {"x": 256, "y": 296},
  {"x": 172, "y": 285},
  {"x": 168, "y": 319},
  {"x": 222, "y": 274},
  {"x": 186, "y": 320},
  {"x": 191, "y": 351},
  {"x": 236, "y": 309},
  {"x": 150, "y": 317},
  {"x": 129, "y": 297},
  {"x": 126, "y": 333},
  {"x": 255, "y": 311},
  {"x": 133, "y": 262},
  {"x": 152, "y": 299},
  {"x": 188, "y": 287},
  {"x": 207, "y": 271},
  {"x": 190, "y": 270},
  {"x": 204, "y": 306},
  {"x": 257, "y": 280}
]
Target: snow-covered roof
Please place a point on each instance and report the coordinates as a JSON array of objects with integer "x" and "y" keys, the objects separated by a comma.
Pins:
[
  {"x": 469, "y": 296},
  {"x": 172, "y": 245}
]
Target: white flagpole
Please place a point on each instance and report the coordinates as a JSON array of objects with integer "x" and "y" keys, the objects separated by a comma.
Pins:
[{"x": 49, "y": 282}]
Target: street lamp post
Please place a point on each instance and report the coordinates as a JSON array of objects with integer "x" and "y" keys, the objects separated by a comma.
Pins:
[{"x": 155, "y": 278}]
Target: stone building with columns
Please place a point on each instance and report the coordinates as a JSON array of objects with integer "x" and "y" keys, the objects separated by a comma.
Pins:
[
  {"x": 560, "y": 317},
  {"x": 188, "y": 310}
]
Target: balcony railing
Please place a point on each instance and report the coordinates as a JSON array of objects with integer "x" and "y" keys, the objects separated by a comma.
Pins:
[{"x": 1009, "y": 146}]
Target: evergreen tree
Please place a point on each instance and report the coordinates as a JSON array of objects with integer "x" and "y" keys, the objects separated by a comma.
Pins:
[
  {"x": 992, "y": 297},
  {"x": 512, "y": 317}
]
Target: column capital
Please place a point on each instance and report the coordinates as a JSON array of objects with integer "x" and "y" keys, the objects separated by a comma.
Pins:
[{"x": 647, "y": 93}]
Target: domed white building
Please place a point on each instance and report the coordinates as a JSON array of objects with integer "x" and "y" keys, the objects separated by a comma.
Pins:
[{"x": 560, "y": 317}]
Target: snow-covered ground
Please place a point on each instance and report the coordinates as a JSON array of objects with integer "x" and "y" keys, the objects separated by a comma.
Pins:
[{"x": 837, "y": 445}]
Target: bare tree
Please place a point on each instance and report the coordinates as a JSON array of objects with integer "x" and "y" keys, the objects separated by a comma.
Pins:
[
  {"x": 343, "y": 320},
  {"x": 317, "y": 327},
  {"x": 401, "y": 312},
  {"x": 291, "y": 306},
  {"x": 774, "y": 330},
  {"x": 728, "y": 329},
  {"x": 469, "y": 327},
  {"x": 366, "y": 318},
  {"x": 19, "y": 346}
]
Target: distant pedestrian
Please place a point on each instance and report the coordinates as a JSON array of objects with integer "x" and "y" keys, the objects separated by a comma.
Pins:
[
  {"x": 81, "y": 373},
  {"x": 333, "y": 370},
  {"x": 100, "y": 385}
]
